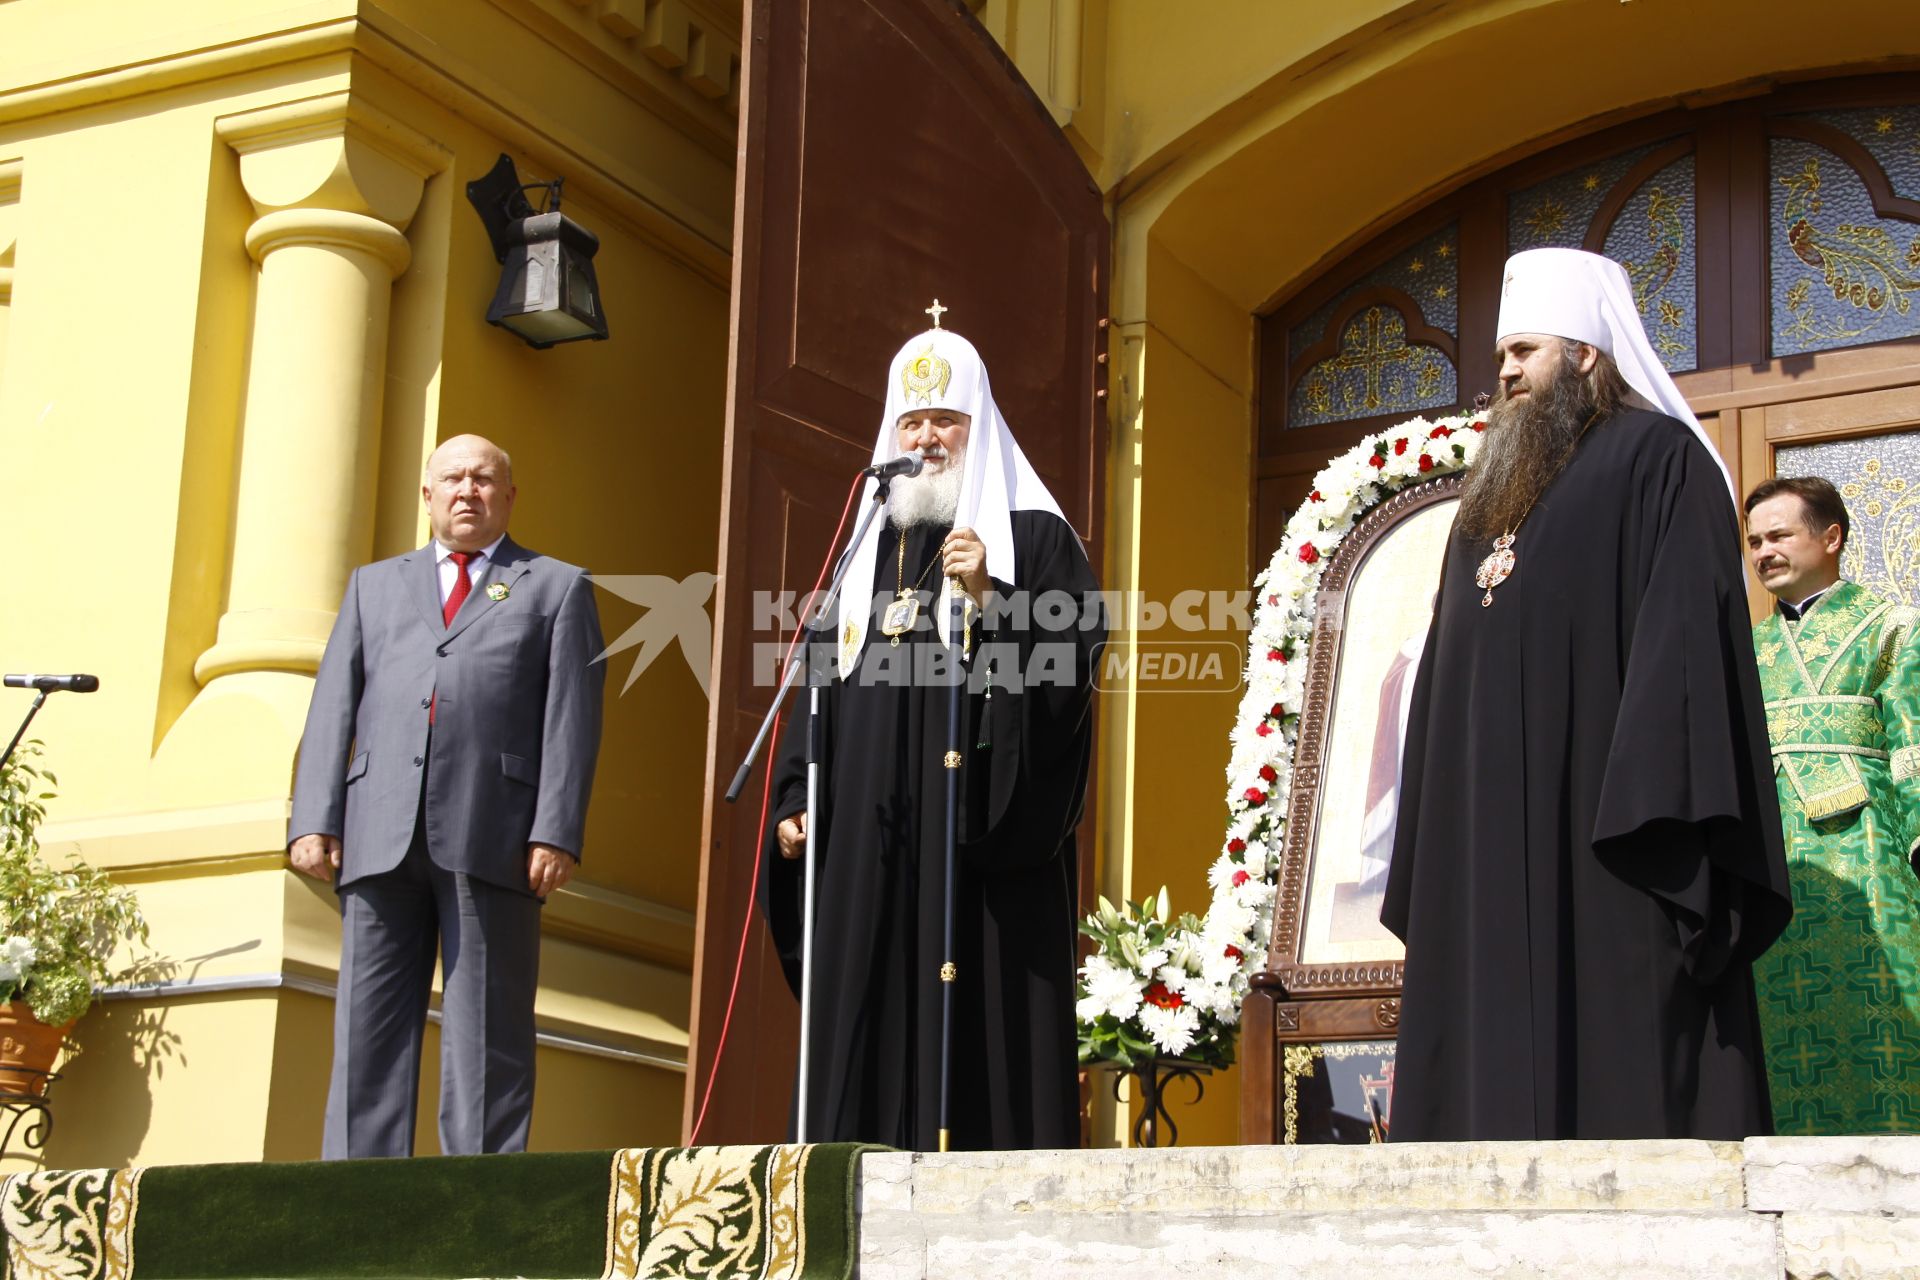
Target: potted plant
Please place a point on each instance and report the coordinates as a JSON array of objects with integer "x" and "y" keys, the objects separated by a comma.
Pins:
[{"x": 59, "y": 928}]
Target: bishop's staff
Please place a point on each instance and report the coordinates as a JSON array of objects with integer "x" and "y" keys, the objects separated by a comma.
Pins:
[{"x": 960, "y": 638}]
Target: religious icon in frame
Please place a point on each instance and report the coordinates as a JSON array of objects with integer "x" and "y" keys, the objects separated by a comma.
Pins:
[
  {"x": 1378, "y": 624},
  {"x": 1333, "y": 973}
]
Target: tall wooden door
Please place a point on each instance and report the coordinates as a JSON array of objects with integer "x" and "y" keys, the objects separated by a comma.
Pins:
[{"x": 890, "y": 155}]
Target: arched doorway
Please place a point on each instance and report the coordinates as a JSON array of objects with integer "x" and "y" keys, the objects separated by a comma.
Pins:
[
  {"x": 1288, "y": 205},
  {"x": 1774, "y": 248}
]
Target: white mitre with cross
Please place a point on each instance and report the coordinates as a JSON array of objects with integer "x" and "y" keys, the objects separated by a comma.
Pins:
[{"x": 1583, "y": 297}]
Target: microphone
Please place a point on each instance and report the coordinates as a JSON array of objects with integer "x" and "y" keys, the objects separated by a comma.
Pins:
[
  {"x": 53, "y": 684},
  {"x": 907, "y": 464}
]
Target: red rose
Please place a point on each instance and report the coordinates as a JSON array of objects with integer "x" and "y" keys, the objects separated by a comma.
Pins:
[
  {"x": 1256, "y": 796},
  {"x": 1263, "y": 728},
  {"x": 1267, "y": 773},
  {"x": 1234, "y": 953},
  {"x": 1439, "y": 432},
  {"x": 1426, "y": 463},
  {"x": 1479, "y": 426},
  {"x": 1308, "y": 554},
  {"x": 1157, "y": 994},
  {"x": 1274, "y": 600},
  {"x": 1236, "y": 845},
  {"x": 1377, "y": 460},
  {"x": 1315, "y": 497},
  {"x": 1400, "y": 446},
  {"x": 1241, "y": 877},
  {"x": 1276, "y": 713},
  {"x": 1274, "y": 655}
]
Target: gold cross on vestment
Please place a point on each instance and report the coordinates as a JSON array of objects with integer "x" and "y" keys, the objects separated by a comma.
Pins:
[
  {"x": 936, "y": 311},
  {"x": 1883, "y": 980}
]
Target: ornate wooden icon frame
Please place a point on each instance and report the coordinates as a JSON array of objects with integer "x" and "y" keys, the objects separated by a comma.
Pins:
[{"x": 1290, "y": 1001}]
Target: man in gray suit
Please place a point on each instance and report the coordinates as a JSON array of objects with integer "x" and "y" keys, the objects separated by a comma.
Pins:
[{"x": 443, "y": 778}]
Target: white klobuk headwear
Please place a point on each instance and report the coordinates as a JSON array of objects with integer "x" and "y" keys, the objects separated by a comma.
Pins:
[
  {"x": 1568, "y": 293},
  {"x": 939, "y": 369}
]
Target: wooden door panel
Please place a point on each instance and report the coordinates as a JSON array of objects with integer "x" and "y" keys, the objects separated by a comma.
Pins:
[{"x": 890, "y": 155}]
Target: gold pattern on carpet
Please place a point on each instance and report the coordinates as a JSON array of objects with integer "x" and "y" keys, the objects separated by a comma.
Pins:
[
  {"x": 70, "y": 1225},
  {"x": 707, "y": 1211}
]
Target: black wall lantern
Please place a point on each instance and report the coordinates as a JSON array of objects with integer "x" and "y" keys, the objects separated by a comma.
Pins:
[{"x": 548, "y": 293}]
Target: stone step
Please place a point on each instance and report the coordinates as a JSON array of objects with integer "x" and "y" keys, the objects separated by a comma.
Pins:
[
  {"x": 1478, "y": 1175},
  {"x": 1807, "y": 1208},
  {"x": 1381, "y": 1244}
]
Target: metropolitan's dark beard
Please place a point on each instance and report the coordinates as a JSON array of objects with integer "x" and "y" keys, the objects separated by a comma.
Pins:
[{"x": 1527, "y": 443}]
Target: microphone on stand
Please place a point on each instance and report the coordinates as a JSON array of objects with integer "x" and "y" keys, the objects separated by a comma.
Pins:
[
  {"x": 907, "y": 464},
  {"x": 54, "y": 684},
  {"x": 43, "y": 685}
]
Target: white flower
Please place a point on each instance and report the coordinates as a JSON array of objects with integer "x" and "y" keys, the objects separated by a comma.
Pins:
[
  {"x": 17, "y": 955},
  {"x": 1109, "y": 989},
  {"x": 1171, "y": 1030}
]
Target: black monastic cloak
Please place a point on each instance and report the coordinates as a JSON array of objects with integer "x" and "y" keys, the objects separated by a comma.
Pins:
[
  {"x": 878, "y": 935},
  {"x": 1589, "y": 854}
]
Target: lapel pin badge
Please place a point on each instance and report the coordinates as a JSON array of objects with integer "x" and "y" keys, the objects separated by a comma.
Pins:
[{"x": 496, "y": 591}]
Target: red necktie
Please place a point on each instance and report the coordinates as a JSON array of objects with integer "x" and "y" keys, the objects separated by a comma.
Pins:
[{"x": 462, "y": 586}]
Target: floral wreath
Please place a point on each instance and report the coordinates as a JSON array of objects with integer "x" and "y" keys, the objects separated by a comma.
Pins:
[{"x": 1154, "y": 987}]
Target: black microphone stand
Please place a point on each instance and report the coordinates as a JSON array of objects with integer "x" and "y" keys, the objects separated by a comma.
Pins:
[
  {"x": 39, "y": 697},
  {"x": 816, "y": 751}
]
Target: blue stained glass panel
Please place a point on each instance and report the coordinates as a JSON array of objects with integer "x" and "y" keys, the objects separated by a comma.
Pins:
[
  {"x": 1891, "y": 136},
  {"x": 1842, "y": 275},
  {"x": 1556, "y": 213},
  {"x": 1375, "y": 370},
  {"x": 1653, "y": 237}
]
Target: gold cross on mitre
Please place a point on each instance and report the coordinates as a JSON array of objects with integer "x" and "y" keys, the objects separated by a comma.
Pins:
[{"x": 936, "y": 311}]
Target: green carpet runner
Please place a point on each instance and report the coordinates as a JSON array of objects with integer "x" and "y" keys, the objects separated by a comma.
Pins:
[{"x": 720, "y": 1213}]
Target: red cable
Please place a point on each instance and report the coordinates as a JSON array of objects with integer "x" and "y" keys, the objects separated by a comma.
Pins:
[{"x": 760, "y": 841}]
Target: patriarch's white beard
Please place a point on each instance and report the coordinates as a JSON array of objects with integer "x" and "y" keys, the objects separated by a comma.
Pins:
[{"x": 932, "y": 497}]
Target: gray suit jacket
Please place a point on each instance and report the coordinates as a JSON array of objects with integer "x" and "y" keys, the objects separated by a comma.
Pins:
[{"x": 511, "y": 754}]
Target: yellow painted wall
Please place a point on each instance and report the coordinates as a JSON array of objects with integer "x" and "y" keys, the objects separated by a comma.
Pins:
[{"x": 125, "y": 370}]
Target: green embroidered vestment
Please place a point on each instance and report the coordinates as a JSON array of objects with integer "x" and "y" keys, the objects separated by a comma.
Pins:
[{"x": 1840, "y": 991}]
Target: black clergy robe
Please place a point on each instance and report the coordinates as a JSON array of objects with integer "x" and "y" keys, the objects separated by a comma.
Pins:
[
  {"x": 1589, "y": 854},
  {"x": 878, "y": 932}
]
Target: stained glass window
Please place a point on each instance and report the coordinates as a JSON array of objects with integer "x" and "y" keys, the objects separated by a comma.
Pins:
[
  {"x": 1652, "y": 236},
  {"x": 1372, "y": 366},
  {"x": 1843, "y": 275},
  {"x": 1879, "y": 478}
]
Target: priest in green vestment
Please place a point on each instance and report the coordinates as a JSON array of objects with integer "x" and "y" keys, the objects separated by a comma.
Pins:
[{"x": 1840, "y": 667}]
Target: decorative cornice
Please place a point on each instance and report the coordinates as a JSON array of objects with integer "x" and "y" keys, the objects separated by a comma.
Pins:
[
  {"x": 332, "y": 152},
  {"x": 698, "y": 43},
  {"x": 169, "y": 71},
  {"x": 697, "y": 238},
  {"x": 333, "y": 115}
]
